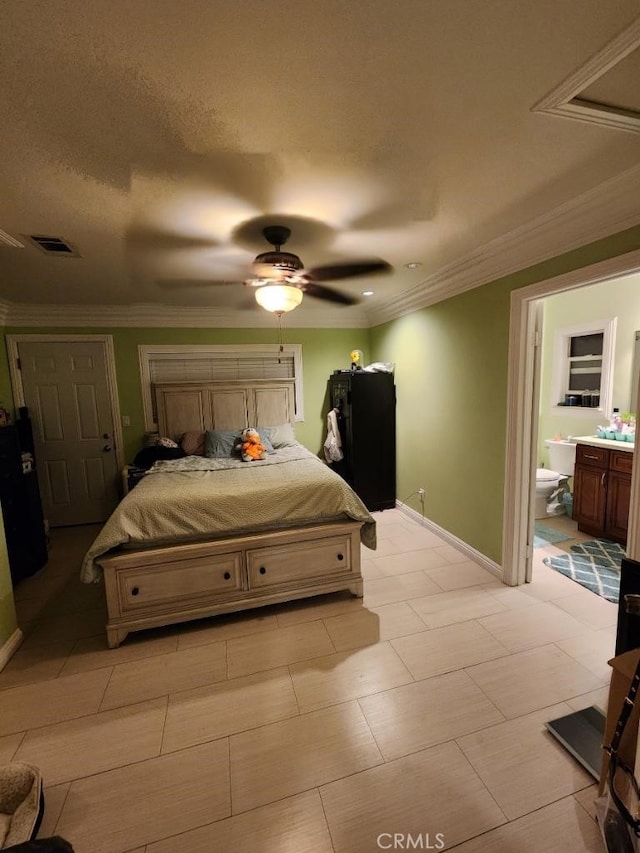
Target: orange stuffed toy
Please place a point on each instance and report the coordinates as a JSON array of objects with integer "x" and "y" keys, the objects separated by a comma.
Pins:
[{"x": 250, "y": 446}]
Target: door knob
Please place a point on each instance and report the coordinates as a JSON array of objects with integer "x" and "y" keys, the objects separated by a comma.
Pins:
[
  {"x": 106, "y": 448},
  {"x": 106, "y": 435}
]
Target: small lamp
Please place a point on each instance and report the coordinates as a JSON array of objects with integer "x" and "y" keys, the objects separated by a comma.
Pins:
[{"x": 278, "y": 298}]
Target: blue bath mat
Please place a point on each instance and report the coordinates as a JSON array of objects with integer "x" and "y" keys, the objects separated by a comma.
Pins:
[
  {"x": 545, "y": 535},
  {"x": 603, "y": 551},
  {"x": 594, "y": 564}
]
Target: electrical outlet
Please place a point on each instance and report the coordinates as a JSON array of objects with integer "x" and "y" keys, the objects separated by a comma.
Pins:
[{"x": 421, "y": 493}]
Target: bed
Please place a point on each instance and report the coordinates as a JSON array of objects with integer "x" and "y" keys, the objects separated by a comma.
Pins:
[{"x": 201, "y": 535}]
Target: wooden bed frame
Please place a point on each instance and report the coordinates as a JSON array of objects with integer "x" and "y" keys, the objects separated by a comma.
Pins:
[{"x": 150, "y": 587}]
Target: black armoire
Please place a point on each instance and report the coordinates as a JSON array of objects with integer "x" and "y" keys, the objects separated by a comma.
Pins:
[
  {"x": 366, "y": 404},
  {"x": 20, "y": 500}
]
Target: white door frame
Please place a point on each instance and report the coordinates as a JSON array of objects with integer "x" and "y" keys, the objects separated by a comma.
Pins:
[
  {"x": 110, "y": 363},
  {"x": 522, "y": 407}
]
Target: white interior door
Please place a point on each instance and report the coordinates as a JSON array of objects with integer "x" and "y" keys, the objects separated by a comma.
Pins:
[
  {"x": 538, "y": 311},
  {"x": 66, "y": 390}
]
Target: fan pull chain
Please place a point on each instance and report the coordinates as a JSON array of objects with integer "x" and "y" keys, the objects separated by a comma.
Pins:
[{"x": 281, "y": 349}]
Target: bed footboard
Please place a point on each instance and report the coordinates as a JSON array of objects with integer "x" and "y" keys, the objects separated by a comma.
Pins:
[{"x": 161, "y": 586}]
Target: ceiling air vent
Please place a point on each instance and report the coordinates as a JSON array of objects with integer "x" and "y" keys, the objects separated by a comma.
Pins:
[{"x": 55, "y": 246}]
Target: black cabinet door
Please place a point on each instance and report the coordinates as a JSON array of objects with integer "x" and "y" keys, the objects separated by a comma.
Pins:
[
  {"x": 21, "y": 509},
  {"x": 367, "y": 406},
  {"x": 628, "y": 632}
]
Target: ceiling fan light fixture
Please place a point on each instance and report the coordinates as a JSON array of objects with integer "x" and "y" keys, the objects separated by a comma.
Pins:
[
  {"x": 278, "y": 298},
  {"x": 276, "y": 264}
]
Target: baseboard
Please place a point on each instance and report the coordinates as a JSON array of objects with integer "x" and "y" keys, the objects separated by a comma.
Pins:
[
  {"x": 471, "y": 553},
  {"x": 12, "y": 645}
]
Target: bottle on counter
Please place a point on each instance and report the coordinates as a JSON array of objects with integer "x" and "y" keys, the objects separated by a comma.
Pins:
[{"x": 615, "y": 421}]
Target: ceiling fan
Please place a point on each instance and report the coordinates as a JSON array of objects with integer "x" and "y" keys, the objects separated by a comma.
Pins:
[{"x": 276, "y": 271}]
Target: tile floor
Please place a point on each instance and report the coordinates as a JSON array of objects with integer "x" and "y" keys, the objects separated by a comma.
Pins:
[{"x": 324, "y": 725}]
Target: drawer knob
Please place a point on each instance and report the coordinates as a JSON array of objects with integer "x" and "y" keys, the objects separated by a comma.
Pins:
[
  {"x": 135, "y": 590},
  {"x": 341, "y": 556},
  {"x": 227, "y": 576},
  {"x": 263, "y": 571}
]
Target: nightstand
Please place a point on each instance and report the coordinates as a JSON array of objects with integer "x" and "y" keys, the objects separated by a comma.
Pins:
[{"x": 131, "y": 476}]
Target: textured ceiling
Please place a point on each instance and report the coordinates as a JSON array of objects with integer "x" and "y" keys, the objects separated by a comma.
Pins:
[{"x": 157, "y": 137}]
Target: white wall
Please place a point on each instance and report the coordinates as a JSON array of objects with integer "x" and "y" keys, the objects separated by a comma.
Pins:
[{"x": 619, "y": 298}]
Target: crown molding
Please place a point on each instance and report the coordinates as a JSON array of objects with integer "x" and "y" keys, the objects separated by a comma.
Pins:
[
  {"x": 607, "y": 209},
  {"x": 4, "y": 311},
  {"x": 164, "y": 316}
]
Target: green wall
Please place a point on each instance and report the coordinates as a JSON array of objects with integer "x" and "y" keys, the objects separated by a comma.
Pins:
[
  {"x": 451, "y": 375},
  {"x": 323, "y": 350},
  {"x": 6, "y": 397}
]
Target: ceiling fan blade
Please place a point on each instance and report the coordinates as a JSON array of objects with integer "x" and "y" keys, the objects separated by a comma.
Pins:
[
  {"x": 143, "y": 237},
  {"x": 349, "y": 269},
  {"x": 320, "y": 291}
]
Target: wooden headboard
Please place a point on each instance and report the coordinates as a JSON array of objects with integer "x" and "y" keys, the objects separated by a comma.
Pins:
[{"x": 199, "y": 406}]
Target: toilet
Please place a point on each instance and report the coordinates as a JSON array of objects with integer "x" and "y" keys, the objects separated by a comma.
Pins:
[{"x": 562, "y": 459}]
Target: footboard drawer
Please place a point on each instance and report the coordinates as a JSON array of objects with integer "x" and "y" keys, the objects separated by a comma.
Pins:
[
  {"x": 182, "y": 581},
  {"x": 299, "y": 562},
  {"x": 150, "y": 587}
]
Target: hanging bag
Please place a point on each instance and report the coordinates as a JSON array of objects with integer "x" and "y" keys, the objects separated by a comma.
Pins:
[{"x": 333, "y": 443}]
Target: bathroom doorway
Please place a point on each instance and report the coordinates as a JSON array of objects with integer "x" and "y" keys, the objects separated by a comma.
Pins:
[
  {"x": 587, "y": 354},
  {"x": 577, "y": 349},
  {"x": 524, "y": 400}
]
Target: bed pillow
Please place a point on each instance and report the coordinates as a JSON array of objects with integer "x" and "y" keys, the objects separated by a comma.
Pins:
[
  {"x": 265, "y": 438},
  {"x": 221, "y": 443},
  {"x": 282, "y": 435},
  {"x": 193, "y": 443}
]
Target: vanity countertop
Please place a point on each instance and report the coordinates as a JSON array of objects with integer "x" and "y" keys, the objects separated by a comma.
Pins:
[{"x": 604, "y": 442}]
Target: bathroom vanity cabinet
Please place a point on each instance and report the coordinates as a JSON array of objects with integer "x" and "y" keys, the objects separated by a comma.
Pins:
[{"x": 602, "y": 491}]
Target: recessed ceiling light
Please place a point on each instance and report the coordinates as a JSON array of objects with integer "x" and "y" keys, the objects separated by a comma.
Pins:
[
  {"x": 367, "y": 292},
  {"x": 413, "y": 265}
]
